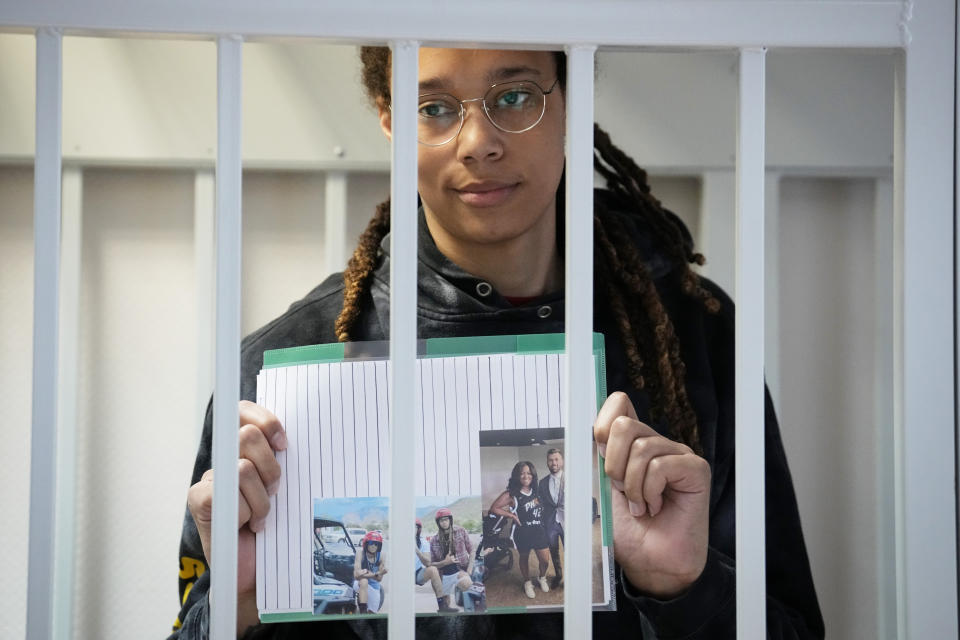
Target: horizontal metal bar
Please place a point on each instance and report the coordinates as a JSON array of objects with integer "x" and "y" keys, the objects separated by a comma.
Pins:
[{"x": 656, "y": 23}]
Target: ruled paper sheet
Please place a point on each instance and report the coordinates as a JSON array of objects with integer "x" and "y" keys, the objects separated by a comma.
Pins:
[{"x": 336, "y": 417}]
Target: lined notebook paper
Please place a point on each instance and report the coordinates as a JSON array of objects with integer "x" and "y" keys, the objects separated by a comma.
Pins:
[{"x": 477, "y": 416}]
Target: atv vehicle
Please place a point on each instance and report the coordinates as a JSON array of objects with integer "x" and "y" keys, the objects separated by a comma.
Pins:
[{"x": 332, "y": 568}]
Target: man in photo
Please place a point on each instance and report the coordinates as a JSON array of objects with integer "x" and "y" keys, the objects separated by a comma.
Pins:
[
  {"x": 551, "y": 495},
  {"x": 424, "y": 571}
]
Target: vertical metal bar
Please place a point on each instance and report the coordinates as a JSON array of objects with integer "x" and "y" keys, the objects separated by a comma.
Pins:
[
  {"x": 403, "y": 327},
  {"x": 577, "y": 617},
  {"x": 223, "y": 586},
  {"x": 204, "y": 245},
  {"x": 924, "y": 163},
  {"x": 750, "y": 545},
  {"x": 46, "y": 256},
  {"x": 70, "y": 269},
  {"x": 883, "y": 341},
  {"x": 771, "y": 302},
  {"x": 898, "y": 384},
  {"x": 335, "y": 218}
]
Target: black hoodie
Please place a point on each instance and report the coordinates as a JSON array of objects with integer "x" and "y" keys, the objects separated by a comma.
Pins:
[{"x": 451, "y": 303}]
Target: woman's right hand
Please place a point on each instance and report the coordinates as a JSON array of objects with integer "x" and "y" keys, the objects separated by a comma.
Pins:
[{"x": 261, "y": 434}]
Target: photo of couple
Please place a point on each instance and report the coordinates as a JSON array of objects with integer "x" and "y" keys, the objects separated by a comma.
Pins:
[{"x": 523, "y": 522}]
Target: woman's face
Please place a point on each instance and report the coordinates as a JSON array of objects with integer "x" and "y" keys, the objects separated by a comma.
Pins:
[
  {"x": 487, "y": 186},
  {"x": 526, "y": 477}
]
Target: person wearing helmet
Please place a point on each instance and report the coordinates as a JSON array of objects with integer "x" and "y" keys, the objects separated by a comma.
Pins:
[
  {"x": 424, "y": 571},
  {"x": 368, "y": 570},
  {"x": 452, "y": 554}
]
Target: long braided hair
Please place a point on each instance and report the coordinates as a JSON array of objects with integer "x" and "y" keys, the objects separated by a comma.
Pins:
[{"x": 622, "y": 278}]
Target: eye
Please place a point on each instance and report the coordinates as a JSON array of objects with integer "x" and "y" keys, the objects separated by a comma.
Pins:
[
  {"x": 514, "y": 98},
  {"x": 432, "y": 108}
]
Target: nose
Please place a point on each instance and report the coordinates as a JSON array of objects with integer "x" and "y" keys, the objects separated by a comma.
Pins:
[{"x": 479, "y": 140}]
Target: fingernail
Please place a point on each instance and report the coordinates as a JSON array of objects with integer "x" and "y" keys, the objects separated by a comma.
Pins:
[
  {"x": 617, "y": 485},
  {"x": 279, "y": 441},
  {"x": 273, "y": 488},
  {"x": 635, "y": 510},
  {"x": 602, "y": 448}
]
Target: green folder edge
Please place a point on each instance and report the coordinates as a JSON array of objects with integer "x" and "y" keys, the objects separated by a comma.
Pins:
[{"x": 526, "y": 344}]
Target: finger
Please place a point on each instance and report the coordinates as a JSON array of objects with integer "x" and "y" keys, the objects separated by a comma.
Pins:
[
  {"x": 264, "y": 420},
  {"x": 642, "y": 451},
  {"x": 685, "y": 473},
  {"x": 254, "y": 503},
  {"x": 620, "y": 437},
  {"x": 254, "y": 447},
  {"x": 617, "y": 404},
  {"x": 200, "y": 500},
  {"x": 200, "y": 504}
]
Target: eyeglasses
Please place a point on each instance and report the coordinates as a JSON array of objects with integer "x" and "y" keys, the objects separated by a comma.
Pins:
[{"x": 513, "y": 107}]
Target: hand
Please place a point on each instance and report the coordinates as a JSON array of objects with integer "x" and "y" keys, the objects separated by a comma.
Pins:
[
  {"x": 661, "y": 501},
  {"x": 260, "y": 435}
]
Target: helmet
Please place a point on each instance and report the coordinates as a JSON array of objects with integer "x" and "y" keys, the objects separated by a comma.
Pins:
[
  {"x": 372, "y": 536},
  {"x": 419, "y": 524},
  {"x": 443, "y": 512}
]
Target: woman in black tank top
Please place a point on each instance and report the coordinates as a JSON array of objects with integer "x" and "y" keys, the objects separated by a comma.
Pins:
[{"x": 521, "y": 503}]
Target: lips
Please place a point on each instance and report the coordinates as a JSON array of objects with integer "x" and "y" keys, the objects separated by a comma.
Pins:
[{"x": 487, "y": 193}]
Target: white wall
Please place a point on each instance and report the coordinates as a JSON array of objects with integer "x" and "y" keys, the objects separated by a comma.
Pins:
[
  {"x": 152, "y": 104},
  {"x": 16, "y": 360},
  {"x": 827, "y": 311}
]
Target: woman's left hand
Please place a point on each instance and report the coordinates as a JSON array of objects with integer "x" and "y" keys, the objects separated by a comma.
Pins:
[{"x": 661, "y": 501}]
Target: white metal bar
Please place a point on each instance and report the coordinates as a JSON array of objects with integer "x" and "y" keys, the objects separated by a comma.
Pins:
[
  {"x": 898, "y": 385},
  {"x": 223, "y": 581},
  {"x": 771, "y": 299},
  {"x": 335, "y": 219},
  {"x": 204, "y": 246},
  {"x": 750, "y": 545},
  {"x": 884, "y": 408},
  {"x": 71, "y": 243},
  {"x": 403, "y": 327},
  {"x": 43, "y": 450},
  {"x": 925, "y": 159},
  {"x": 577, "y": 617},
  {"x": 694, "y": 23}
]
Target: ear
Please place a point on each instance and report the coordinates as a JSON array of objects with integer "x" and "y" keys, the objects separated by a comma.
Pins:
[{"x": 386, "y": 120}]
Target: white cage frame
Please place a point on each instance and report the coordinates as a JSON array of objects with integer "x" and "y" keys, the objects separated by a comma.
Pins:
[{"x": 924, "y": 186}]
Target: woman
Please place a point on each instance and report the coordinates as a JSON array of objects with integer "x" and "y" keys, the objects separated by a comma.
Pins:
[
  {"x": 521, "y": 503},
  {"x": 369, "y": 567},
  {"x": 490, "y": 246}
]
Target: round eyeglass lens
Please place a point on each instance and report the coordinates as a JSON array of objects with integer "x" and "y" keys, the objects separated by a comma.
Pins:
[
  {"x": 514, "y": 106},
  {"x": 438, "y": 119}
]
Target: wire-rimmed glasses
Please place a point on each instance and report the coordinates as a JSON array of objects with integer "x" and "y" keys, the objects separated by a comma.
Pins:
[{"x": 513, "y": 107}]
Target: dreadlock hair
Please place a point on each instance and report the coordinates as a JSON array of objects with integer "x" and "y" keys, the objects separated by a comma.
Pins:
[{"x": 621, "y": 276}]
